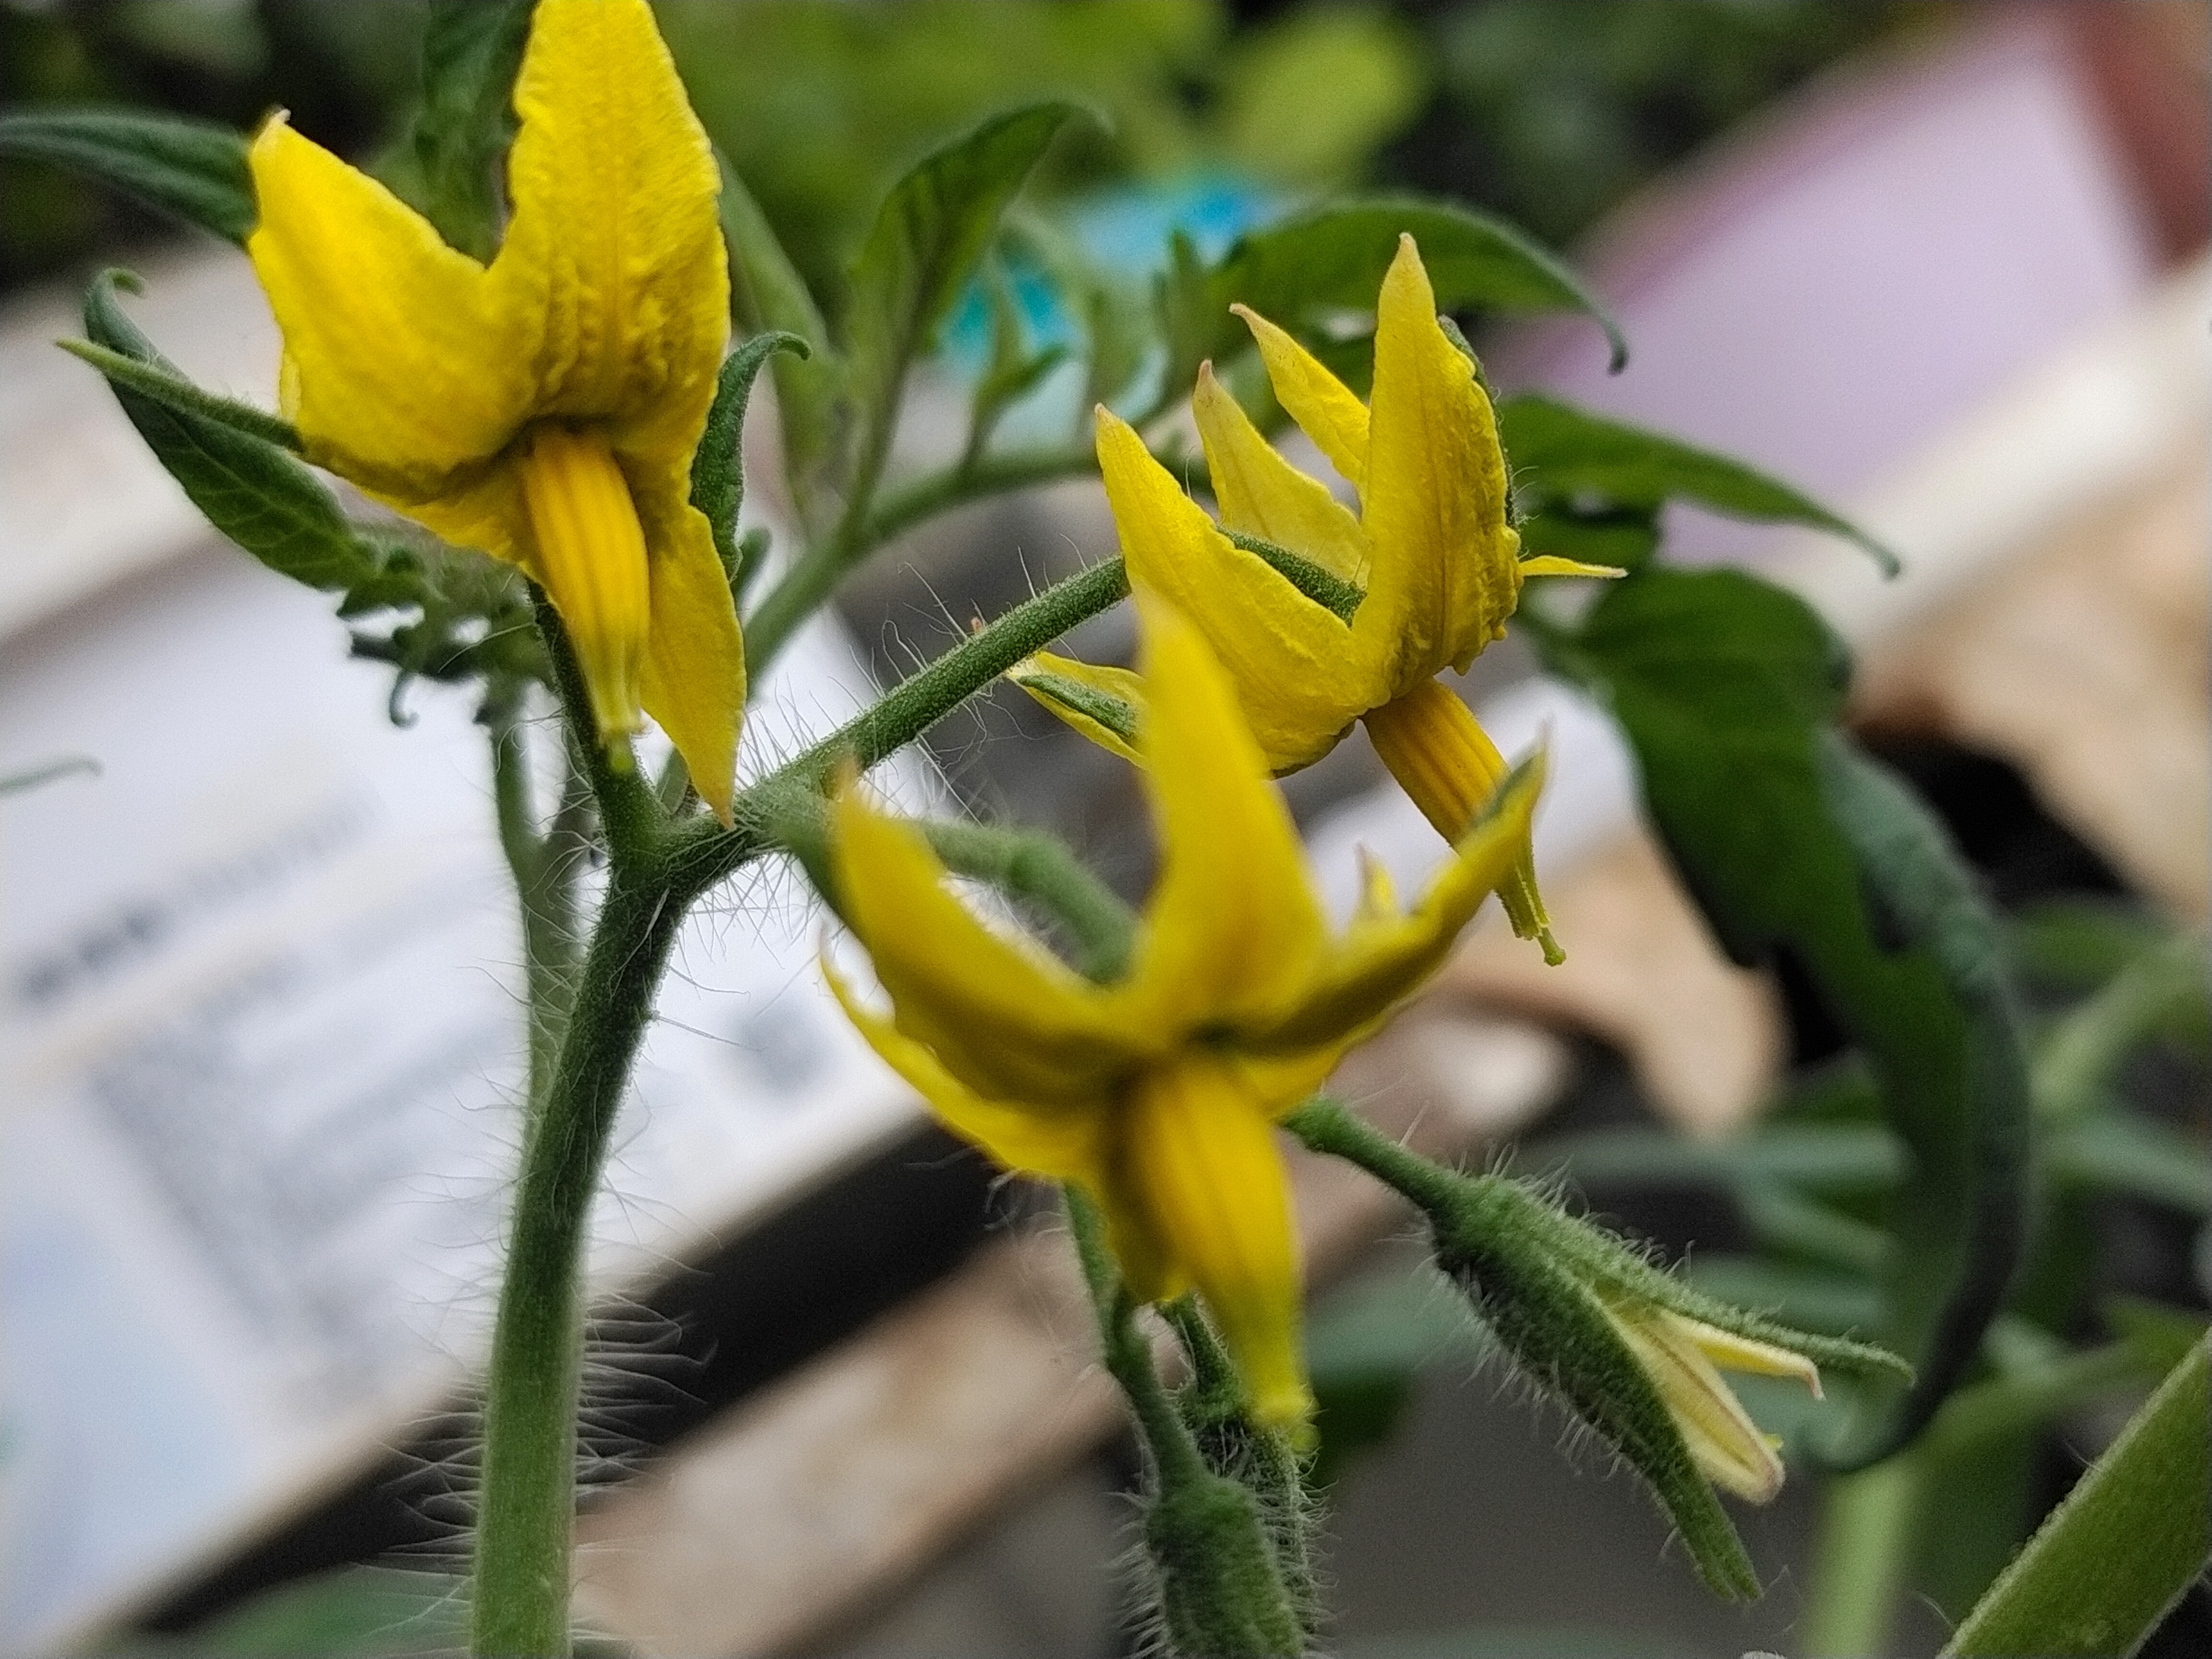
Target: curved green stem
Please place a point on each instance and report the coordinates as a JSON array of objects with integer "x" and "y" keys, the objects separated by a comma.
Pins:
[
  {"x": 2135, "y": 1532},
  {"x": 1860, "y": 1555}
]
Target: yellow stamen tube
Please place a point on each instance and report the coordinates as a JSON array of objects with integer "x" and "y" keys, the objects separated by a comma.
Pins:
[
  {"x": 591, "y": 557},
  {"x": 1445, "y": 761}
]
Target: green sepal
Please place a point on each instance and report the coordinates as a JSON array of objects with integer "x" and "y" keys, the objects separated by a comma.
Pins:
[
  {"x": 194, "y": 170},
  {"x": 767, "y": 295},
  {"x": 1497, "y": 1242},
  {"x": 1322, "y": 586},
  {"x": 718, "y": 465},
  {"x": 1565, "y": 458},
  {"x": 1116, "y": 714},
  {"x": 1220, "y": 1588},
  {"x": 154, "y": 379},
  {"x": 250, "y": 489}
]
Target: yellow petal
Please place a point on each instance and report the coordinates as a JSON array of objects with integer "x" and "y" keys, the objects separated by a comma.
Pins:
[
  {"x": 1289, "y": 657},
  {"x": 1200, "y": 1157},
  {"x": 1011, "y": 1022},
  {"x": 614, "y": 254},
  {"x": 1262, "y": 494},
  {"x": 589, "y": 550},
  {"x": 1061, "y": 1143},
  {"x": 1232, "y": 925},
  {"x": 1431, "y": 743},
  {"x": 401, "y": 371},
  {"x": 1722, "y": 1440},
  {"x": 1382, "y": 958},
  {"x": 694, "y": 678},
  {"x": 1555, "y": 564},
  {"x": 1105, "y": 704},
  {"x": 1731, "y": 1352},
  {"x": 1445, "y": 575},
  {"x": 1322, "y": 404}
]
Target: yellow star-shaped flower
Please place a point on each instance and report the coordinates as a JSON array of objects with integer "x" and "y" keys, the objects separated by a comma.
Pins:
[
  {"x": 542, "y": 409},
  {"x": 1159, "y": 1093},
  {"x": 1430, "y": 562}
]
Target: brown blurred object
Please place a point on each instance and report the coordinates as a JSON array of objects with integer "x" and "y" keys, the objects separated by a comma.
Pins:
[
  {"x": 824, "y": 1493},
  {"x": 2149, "y": 62},
  {"x": 1705, "y": 1038},
  {"x": 2085, "y": 665}
]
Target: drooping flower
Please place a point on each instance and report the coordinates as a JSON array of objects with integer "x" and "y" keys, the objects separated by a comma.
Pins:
[
  {"x": 543, "y": 408},
  {"x": 1159, "y": 1093},
  {"x": 1366, "y": 611},
  {"x": 1636, "y": 1353}
]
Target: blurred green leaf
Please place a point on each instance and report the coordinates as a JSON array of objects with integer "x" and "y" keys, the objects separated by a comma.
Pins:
[
  {"x": 194, "y": 170},
  {"x": 767, "y": 293},
  {"x": 1333, "y": 259},
  {"x": 1569, "y": 460},
  {"x": 356, "y": 1612},
  {"x": 1787, "y": 837},
  {"x": 1011, "y": 373},
  {"x": 1816, "y": 1299},
  {"x": 926, "y": 244},
  {"x": 459, "y": 136},
  {"x": 1307, "y": 100},
  {"x": 1818, "y": 1156},
  {"x": 251, "y": 489},
  {"x": 2120, "y": 1152}
]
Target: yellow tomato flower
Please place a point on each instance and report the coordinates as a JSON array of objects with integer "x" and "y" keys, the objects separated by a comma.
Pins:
[
  {"x": 543, "y": 407},
  {"x": 1159, "y": 1093},
  {"x": 1430, "y": 561}
]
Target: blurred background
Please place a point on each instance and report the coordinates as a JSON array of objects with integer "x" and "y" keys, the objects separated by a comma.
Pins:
[{"x": 1939, "y": 263}]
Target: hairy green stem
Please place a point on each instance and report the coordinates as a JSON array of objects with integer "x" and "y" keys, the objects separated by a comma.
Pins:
[
  {"x": 525, "y": 1524},
  {"x": 1030, "y": 865},
  {"x": 1221, "y": 1586},
  {"x": 2135, "y": 1532},
  {"x": 543, "y": 868},
  {"x": 1330, "y": 1127},
  {"x": 705, "y": 853}
]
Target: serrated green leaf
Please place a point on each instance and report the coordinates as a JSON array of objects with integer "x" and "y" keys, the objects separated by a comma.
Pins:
[
  {"x": 1787, "y": 837},
  {"x": 1562, "y": 455},
  {"x": 465, "y": 120},
  {"x": 174, "y": 391},
  {"x": 1333, "y": 258},
  {"x": 251, "y": 489},
  {"x": 927, "y": 241},
  {"x": 768, "y": 294},
  {"x": 718, "y": 465},
  {"x": 194, "y": 170}
]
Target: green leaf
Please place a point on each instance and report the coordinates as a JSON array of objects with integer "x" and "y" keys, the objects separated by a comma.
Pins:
[
  {"x": 195, "y": 170},
  {"x": 768, "y": 294},
  {"x": 718, "y": 465},
  {"x": 171, "y": 389},
  {"x": 2131, "y": 1538},
  {"x": 1564, "y": 457},
  {"x": 1789, "y": 838},
  {"x": 465, "y": 119},
  {"x": 927, "y": 241},
  {"x": 1333, "y": 258},
  {"x": 251, "y": 489},
  {"x": 1365, "y": 1344}
]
